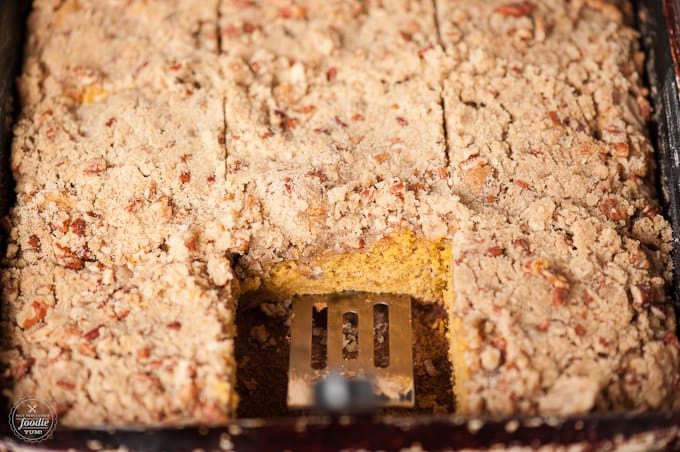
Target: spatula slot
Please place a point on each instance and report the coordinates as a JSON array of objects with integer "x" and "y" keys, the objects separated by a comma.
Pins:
[
  {"x": 381, "y": 335},
  {"x": 350, "y": 335},
  {"x": 319, "y": 336}
]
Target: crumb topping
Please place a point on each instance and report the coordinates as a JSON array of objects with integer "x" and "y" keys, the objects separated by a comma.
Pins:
[{"x": 159, "y": 141}]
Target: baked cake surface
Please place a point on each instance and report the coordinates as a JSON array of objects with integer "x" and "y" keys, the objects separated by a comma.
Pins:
[{"x": 491, "y": 156}]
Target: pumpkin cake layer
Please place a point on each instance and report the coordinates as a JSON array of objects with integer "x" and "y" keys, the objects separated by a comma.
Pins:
[{"x": 560, "y": 304}]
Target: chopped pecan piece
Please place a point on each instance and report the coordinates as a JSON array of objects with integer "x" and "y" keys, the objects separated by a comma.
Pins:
[
  {"x": 524, "y": 184},
  {"x": 288, "y": 184},
  {"x": 518, "y": 9},
  {"x": 133, "y": 205},
  {"x": 72, "y": 261},
  {"x": 621, "y": 150},
  {"x": 643, "y": 295},
  {"x": 78, "y": 227},
  {"x": 612, "y": 210},
  {"x": 231, "y": 31},
  {"x": 66, "y": 385},
  {"x": 397, "y": 188},
  {"x": 290, "y": 123},
  {"x": 174, "y": 325},
  {"x": 382, "y": 157},
  {"x": 95, "y": 167},
  {"x": 464, "y": 163},
  {"x": 671, "y": 339},
  {"x": 650, "y": 211},
  {"x": 495, "y": 251},
  {"x": 39, "y": 311},
  {"x": 402, "y": 121},
  {"x": 476, "y": 177},
  {"x": 307, "y": 109},
  {"x": 293, "y": 12},
  {"x": 524, "y": 245},
  {"x": 555, "y": 119},
  {"x": 579, "y": 330},
  {"x": 93, "y": 333},
  {"x": 34, "y": 241},
  {"x": 318, "y": 174},
  {"x": 559, "y": 296},
  {"x": 191, "y": 244},
  {"x": 542, "y": 267},
  {"x": 185, "y": 177},
  {"x": 62, "y": 226},
  {"x": 340, "y": 122},
  {"x": 331, "y": 73}
]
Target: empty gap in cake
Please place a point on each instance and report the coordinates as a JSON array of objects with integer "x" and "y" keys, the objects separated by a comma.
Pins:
[
  {"x": 350, "y": 335},
  {"x": 262, "y": 348},
  {"x": 319, "y": 336},
  {"x": 381, "y": 335}
]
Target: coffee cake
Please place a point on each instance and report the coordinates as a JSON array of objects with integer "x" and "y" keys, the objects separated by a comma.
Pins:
[{"x": 489, "y": 156}]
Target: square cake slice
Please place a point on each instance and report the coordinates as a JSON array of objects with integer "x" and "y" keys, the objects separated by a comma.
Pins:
[
  {"x": 558, "y": 321},
  {"x": 89, "y": 49},
  {"x": 151, "y": 345},
  {"x": 118, "y": 301},
  {"x": 339, "y": 179}
]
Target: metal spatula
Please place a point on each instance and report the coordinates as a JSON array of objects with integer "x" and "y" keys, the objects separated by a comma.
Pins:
[{"x": 367, "y": 336}]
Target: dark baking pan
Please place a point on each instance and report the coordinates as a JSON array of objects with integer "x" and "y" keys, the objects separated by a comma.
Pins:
[{"x": 660, "y": 34}]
